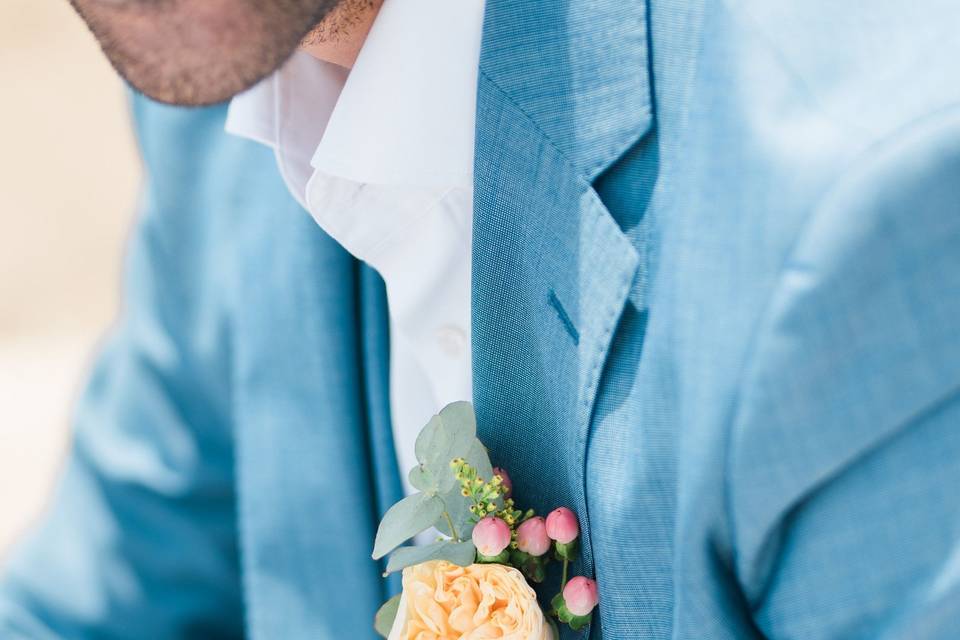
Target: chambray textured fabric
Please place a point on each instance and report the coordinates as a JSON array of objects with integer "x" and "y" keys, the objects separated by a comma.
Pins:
[
  {"x": 716, "y": 310},
  {"x": 235, "y": 412},
  {"x": 769, "y": 442}
]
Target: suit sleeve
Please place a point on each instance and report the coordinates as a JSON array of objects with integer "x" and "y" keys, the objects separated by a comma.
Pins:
[
  {"x": 844, "y": 459},
  {"x": 140, "y": 538}
]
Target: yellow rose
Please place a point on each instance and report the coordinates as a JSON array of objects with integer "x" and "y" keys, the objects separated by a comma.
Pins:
[{"x": 442, "y": 601}]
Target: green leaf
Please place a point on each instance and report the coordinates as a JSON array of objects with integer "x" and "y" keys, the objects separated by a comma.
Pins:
[
  {"x": 447, "y": 436},
  {"x": 567, "y": 551},
  {"x": 556, "y": 603},
  {"x": 404, "y": 520},
  {"x": 479, "y": 459},
  {"x": 565, "y": 615},
  {"x": 459, "y": 509},
  {"x": 457, "y": 506},
  {"x": 501, "y": 558},
  {"x": 450, "y": 434},
  {"x": 459, "y": 553},
  {"x": 383, "y": 622},
  {"x": 533, "y": 567},
  {"x": 423, "y": 480},
  {"x": 579, "y": 622}
]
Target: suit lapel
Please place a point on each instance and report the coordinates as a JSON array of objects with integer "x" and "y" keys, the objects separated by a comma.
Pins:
[
  {"x": 577, "y": 68},
  {"x": 314, "y": 446},
  {"x": 563, "y": 92}
]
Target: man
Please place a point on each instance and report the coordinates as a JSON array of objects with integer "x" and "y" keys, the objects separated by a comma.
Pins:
[{"x": 713, "y": 256}]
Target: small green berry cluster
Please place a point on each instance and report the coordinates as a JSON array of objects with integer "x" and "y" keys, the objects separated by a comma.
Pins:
[
  {"x": 485, "y": 496},
  {"x": 513, "y": 516}
]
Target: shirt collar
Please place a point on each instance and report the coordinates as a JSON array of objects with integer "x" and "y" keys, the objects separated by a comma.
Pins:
[{"x": 403, "y": 116}]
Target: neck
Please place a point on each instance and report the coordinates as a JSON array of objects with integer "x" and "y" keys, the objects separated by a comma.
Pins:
[{"x": 340, "y": 36}]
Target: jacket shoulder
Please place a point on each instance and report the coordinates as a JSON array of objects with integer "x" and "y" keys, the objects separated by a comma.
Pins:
[
  {"x": 858, "y": 340},
  {"x": 871, "y": 70}
]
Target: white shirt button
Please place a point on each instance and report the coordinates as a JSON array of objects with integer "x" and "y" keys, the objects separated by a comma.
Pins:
[{"x": 452, "y": 341}]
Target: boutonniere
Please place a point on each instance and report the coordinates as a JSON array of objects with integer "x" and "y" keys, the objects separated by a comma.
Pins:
[{"x": 475, "y": 580}]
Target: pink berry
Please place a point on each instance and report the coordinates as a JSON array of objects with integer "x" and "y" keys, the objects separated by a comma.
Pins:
[
  {"x": 532, "y": 537},
  {"x": 580, "y": 596},
  {"x": 562, "y": 525},
  {"x": 491, "y": 536}
]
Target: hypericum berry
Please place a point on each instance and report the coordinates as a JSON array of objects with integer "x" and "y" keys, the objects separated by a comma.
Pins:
[
  {"x": 580, "y": 596},
  {"x": 532, "y": 537},
  {"x": 562, "y": 525},
  {"x": 491, "y": 536}
]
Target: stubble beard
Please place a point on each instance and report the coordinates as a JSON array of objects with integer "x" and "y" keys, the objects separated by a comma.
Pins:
[
  {"x": 340, "y": 22},
  {"x": 201, "y": 52}
]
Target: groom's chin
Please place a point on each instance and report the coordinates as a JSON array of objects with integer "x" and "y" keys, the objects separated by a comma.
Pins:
[{"x": 198, "y": 52}]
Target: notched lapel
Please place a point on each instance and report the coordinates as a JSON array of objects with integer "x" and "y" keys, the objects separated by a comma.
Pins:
[
  {"x": 564, "y": 92},
  {"x": 552, "y": 273},
  {"x": 579, "y": 69}
]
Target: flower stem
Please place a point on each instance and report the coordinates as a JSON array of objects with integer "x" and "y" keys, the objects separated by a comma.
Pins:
[
  {"x": 453, "y": 529},
  {"x": 563, "y": 581}
]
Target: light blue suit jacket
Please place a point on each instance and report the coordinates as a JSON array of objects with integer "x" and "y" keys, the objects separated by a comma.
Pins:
[{"x": 716, "y": 310}]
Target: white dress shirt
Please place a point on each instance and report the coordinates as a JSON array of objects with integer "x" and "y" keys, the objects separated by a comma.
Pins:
[{"x": 382, "y": 158}]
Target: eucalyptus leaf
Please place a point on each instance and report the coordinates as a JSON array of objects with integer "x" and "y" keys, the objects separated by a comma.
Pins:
[
  {"x": 479, "y": 459},
  {"x": 424, "y": 480},
  {"x": 458, "y": 508},
  {"x": 404, "y": 520},
  {"x": 459, "y": 553},
  {"x": 448, "y": 435},
  {"x": 383, "y": 622}
]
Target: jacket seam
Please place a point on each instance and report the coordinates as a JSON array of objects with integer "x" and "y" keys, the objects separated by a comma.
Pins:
[{"x": 506, "y": 96}]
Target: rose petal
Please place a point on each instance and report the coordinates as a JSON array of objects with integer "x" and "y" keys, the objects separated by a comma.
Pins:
[{"x": 485, "y": 601}]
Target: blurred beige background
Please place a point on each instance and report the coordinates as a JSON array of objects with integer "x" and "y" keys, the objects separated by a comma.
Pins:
[{"x": 68, "y": 179}]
